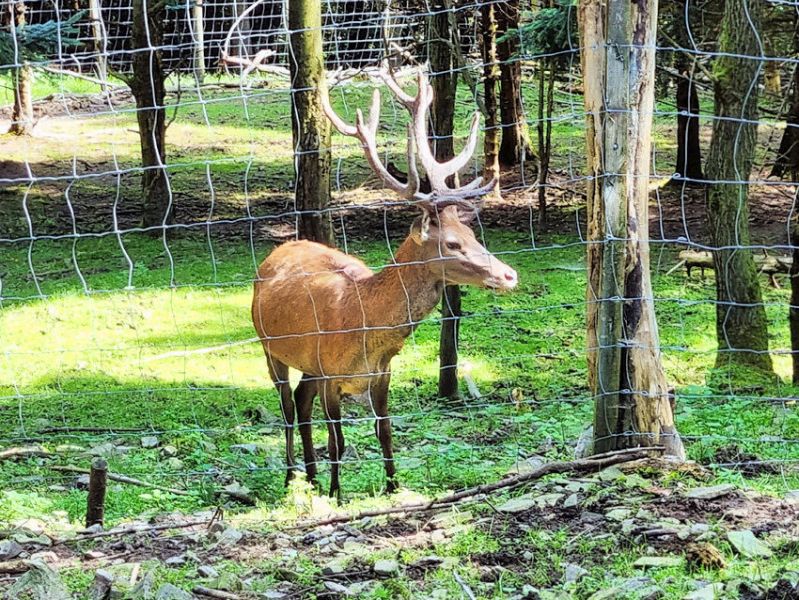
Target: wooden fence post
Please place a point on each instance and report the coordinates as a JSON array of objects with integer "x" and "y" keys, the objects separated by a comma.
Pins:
[{"x": 95, "y": 503}]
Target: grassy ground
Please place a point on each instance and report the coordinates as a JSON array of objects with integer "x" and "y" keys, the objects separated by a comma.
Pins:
[{"x": 119, "y": 333}]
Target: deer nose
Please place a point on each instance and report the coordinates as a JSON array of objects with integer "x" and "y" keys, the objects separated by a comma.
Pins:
[{"x": 511, "y": 278}]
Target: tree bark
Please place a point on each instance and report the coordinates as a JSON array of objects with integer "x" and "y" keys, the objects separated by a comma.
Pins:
[
  {"x": 147, "y": 87},
  {"x": 515, "y": 146},
  {"x": 309, "y": 125},
  {"x": 793, "y": 311},
  {"x": 198, "y": 31},
  {"x": 689, "y": 150},
  {"x": 491, "y": 138},
  {"x": 99, "y": 42},
  {"x": 444, "y": 79},
  {"x": 22, "y": 121},
  {"x": 631, "y": 397},
  {"x": 546, "y": 98},
  {"x": 788, "y": 154},
  {"x": 741, "y": 325}
]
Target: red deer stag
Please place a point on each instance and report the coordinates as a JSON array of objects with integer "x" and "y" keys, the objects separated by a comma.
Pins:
[{"x": 326, "y": 314}]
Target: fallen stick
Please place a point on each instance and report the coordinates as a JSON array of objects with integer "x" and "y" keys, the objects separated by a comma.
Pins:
[
  {"x": 122, "y": 479},
  {"x": 23, "y": 452},
  {"x": 12, "y": 567},
  {"x": 464, "y": 586},
  {"x": 82, "y": 537},
  {"x": 204, "y": 591},
  {"x": 594, "y": 463}
]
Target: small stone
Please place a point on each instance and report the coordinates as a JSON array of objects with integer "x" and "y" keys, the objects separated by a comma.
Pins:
[
  {"x": 174, "y": 463},
  {"x": 427, "y": 562},
  {"x": 658, "y": 561},
  {"x": 792, "y": 496},
  {"x": 573, "y": 573},
  {"x": 169, "y": 451},
  {"x": 171, "y": 592},
  {"x": 150, "y": 441},
  {"x": 93, "y": 555},
  {"x": 746, "y": 544},
  {"x": 572, "y": 501},
  {"x": 708, "y": 592},
  {"x": 101, "y": 587},
  {"x": 619, "y": 514},
  {"x": 176, "y": 561},
  {"x": 517, "y": 505},
  {"x": 591, "y": 517},
  {"x": 545, "y": 500},
  {"x": 336, "y": 566},
  {"x": 230, "y": 537},
  {"x": 337, "y": 588},
  {"x": 610, "y": 474},
  {"x": 245, "y": 448},
  {"x": 698, "y": 528},
  {"x": 92, "y": 529},
  {"x": 710, "y": 493},
  {"x": 9, "y": 549},
  {"x": 47, "y": 556},
  {"x": 386, "y": 567},
  {"x": 208, "y": 572}
]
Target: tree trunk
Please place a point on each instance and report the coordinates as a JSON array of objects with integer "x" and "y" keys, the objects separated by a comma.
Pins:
[
  {"x": 99, "y": 42},
  {"x": 741, "y": 325},
  {"x": 546, "y": 100},
  {"x": 309, "y": 125},
  {"x": 444, "y": 79},
  {"x": 689, "y": 151},
  {"x": 631, "y": 397},
  {"x": 198, "y": 31},
  {"x": 147, "y": 87},
  {"x": 793, "y": 311},
  {"x": 515, "y": 146},
  {"x": 21, "y": 81},
  {"x": 772, "y": 77},
  {"x": 491, "y": 139},
  {"x": 788, "y": 153}
]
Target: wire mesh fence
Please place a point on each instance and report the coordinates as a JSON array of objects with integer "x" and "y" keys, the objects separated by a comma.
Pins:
[{"x": 135, "y": 341}]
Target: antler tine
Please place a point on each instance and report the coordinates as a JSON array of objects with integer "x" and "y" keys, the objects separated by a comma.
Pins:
[{"x": 365, "y": 131}]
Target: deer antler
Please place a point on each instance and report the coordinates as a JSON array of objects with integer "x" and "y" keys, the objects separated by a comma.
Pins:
[{"x": 437, "y": 172}]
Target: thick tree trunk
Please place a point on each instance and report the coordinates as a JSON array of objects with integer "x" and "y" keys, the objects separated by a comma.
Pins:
[
  {"x": 632, "y": 404},
  {"x": 515, "y": 146},
  {"x": 793, "y": 312},
  {"x": 741, "y": 325},
  {"x": 310, "y": 126},
  {"x": 444, "y": 79},
  {"x": 491, "y": 139},
  {"x": 22, "y": 121},
  {"x": 147, "y": 86}
]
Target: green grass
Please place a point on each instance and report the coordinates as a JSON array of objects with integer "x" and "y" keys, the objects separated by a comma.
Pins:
[{"x": 99, "y": 357}]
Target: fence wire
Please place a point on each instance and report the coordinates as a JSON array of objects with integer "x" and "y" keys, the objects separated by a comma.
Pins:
[{"x": 114, "y": 332}]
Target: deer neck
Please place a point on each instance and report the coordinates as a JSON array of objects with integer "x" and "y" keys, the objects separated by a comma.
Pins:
[{"x": 406, "y": 292}]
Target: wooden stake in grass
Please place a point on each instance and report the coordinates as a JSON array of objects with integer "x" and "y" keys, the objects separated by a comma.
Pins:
[{"x": 98, "y": 480}]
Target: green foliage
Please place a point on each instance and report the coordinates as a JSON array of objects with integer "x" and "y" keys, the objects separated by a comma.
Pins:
[
  {"x": 35, "y": 42},
  {"x": 550, "y": 30}
]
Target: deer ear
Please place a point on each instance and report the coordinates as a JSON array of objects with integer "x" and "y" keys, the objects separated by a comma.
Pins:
[
  {"x": 466, "y": 216},
  {"x": 420, "y": 230}
]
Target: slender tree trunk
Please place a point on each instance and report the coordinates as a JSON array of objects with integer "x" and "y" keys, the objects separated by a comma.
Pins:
[
  {"x": 793, "y": 311},
  {"x": 147, "y": 87},
  {"x": 21, "y": 81},
  {"x": 198, "y": 29},
  {"x": 491, "y": 139},
  {"x": 444, "y": 79},
  {"x": 689, "y": 152},
  {"x": 788, "y": 154},
  {"x": 546, "y": 99},
  {"x": 515, "y": 146},
  {"x": 632, "y": 404},
  {"x": 741, "y": 325},
  {"x": 99, "y": 42},
  {"x": 310, "y": 127}
]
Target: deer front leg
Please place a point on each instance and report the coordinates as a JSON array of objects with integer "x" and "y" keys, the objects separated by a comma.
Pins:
[
  {"x": 331, "y": 404},
  {"x": 280, "y": 376},
  {"x": 303, "y": 399},
  {"x": 379, "y": 400}
]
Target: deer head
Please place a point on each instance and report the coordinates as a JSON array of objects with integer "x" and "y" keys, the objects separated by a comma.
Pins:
[{"x": 446, "y": 241}]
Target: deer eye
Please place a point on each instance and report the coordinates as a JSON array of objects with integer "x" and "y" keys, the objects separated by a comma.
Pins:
[{"x": 453, "y": 246}]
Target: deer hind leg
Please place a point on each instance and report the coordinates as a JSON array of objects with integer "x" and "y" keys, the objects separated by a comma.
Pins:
[
  {"x": 378, "y": 396},
  {"x": 331, "y": 404},
  {"x": 280, "y": 376},
  {"x": 303, "y": 400}
]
